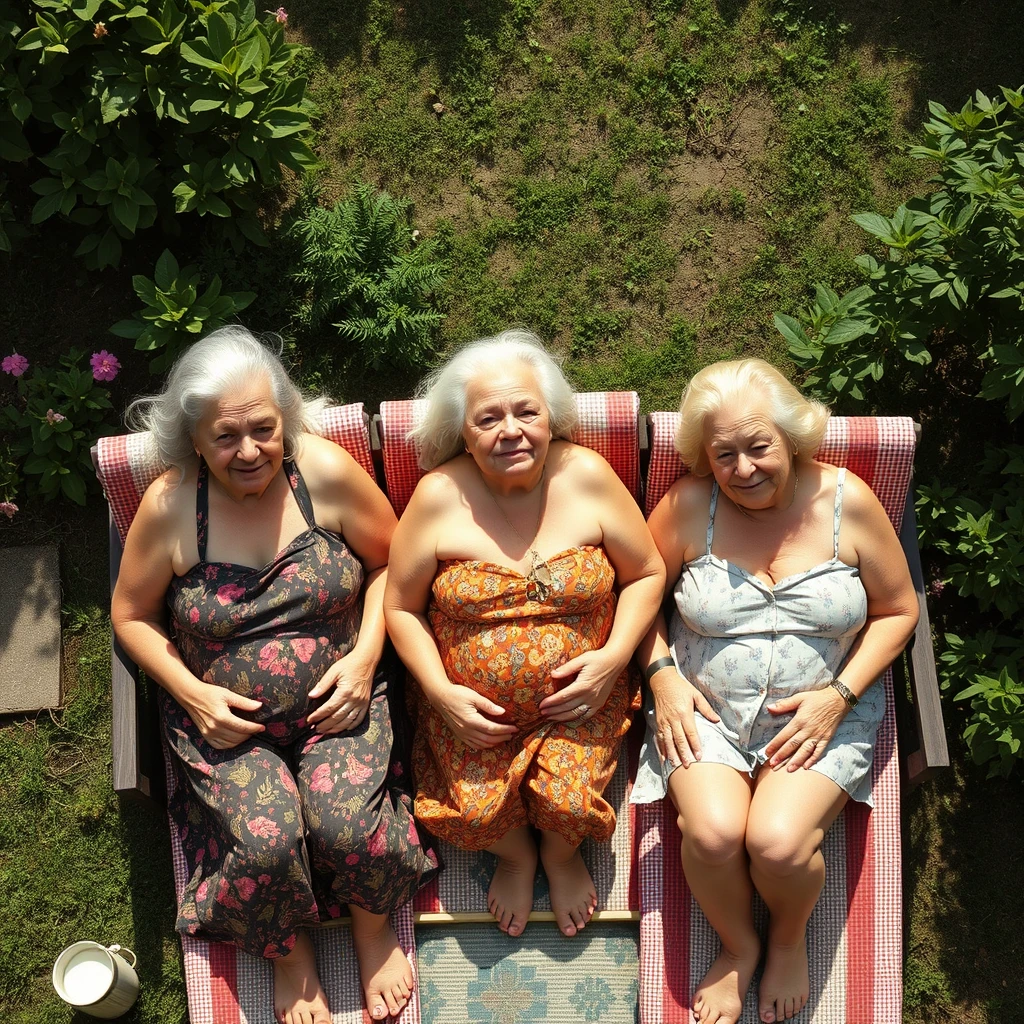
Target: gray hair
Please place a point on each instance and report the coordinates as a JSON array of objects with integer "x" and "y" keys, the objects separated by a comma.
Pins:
[
  {"x": 801, "y": 419},
  {"x": 206, "y": 372},
  {"x": 439, "y": 435}
]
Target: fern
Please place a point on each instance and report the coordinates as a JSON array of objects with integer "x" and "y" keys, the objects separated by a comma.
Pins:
[{"x": 366, "y": 277}]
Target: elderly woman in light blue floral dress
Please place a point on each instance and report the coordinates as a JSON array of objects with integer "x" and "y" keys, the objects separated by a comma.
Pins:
[{"x": 792, "y": 596}]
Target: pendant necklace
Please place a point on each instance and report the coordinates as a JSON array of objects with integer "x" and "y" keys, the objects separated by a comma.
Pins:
[
  {"x": 539, "y": 572},
  {"x": 796, "y": 484}
]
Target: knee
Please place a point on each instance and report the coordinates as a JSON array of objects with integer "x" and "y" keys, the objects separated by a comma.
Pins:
[
  {"x": 269, "y": 843},
  {"x": 778, "y": 847},
  {"x": 713, "y": 839}
]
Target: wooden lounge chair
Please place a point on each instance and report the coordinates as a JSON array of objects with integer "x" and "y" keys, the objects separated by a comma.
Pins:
[{"x": 855, "y": 935}]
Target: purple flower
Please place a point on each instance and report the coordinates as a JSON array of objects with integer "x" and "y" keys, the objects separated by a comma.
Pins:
[
  {"x": 8, "y": 508},
  {"x": 14, "y": 364},
  {"x": 54, "y": 417},
  {"x": 104, "y": 365},
  {"x": 280, "y": 15}
]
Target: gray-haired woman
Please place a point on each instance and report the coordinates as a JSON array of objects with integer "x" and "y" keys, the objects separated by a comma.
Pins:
[
  {"x": 522, "y": 578},
  {"x": 268, "y": 548}
]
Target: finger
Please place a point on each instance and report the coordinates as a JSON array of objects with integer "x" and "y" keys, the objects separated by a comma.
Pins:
[
  {"x": 785, "y": 706},
  {"x": 325, "y": 683},
  {"x": 689, "y": 728},
  {"x": 787, "y": 750},
  {"x": 481, "y": 704},
  {"x": 681, "y": 745},
  {"x": 569, "y": 668},
  {"x": 700, "y": 702},
  {"x": 800, "y": 754},
  {"x": 236, "y": 700},
  {"x": 784, "y": 736},
  {"x": 819, "y": 749}
]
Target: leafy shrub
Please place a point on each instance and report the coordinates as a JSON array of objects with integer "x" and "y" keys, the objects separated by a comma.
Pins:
[
  {"x": 56, "y": 418},
  {"x": 176, "y": 313},
  {"x": 947, "y": 290},
  {"x": 366, "y": 275},
  {"x": 137, "y": 112}
]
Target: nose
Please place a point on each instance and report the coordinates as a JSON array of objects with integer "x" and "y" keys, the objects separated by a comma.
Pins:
[
  {"x": 744, "y": 467},
  {"x": 247, "y": 450},
  {"x": 510, "y": 426}
]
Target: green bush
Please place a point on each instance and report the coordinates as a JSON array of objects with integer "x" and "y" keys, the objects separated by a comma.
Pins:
[
  {"x": 137, "y": 112},
  {"x": 944, "y": 296},
  {"x": 366, "y": 275},
  {"x": 176, "y": 314}
]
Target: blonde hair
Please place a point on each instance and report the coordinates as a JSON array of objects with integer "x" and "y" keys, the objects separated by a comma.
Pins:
[
  {"x": 439, "y": 434},
  {"x": 802, "y": 420}
]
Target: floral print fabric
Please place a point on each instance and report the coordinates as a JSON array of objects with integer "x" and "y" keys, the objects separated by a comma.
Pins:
[
  {"x": 746, "y": 644},
  {"x": 285, "y": 829},
  {"x": 500, "y": 633}
]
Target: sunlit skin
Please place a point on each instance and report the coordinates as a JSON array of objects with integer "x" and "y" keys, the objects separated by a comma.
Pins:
[
  {"x": 253, "y": 516},
  {"x": 774, "y": 520}
]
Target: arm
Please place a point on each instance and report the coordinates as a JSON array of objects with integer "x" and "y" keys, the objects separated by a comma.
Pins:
[
  {"x": 411, "y": 574},
  {"x": 676, "y": 700},
  {"x": 137, "y": 615},
  {"x": 640, "y": 574},
  {"x": 349, "y": 502},
  {"x": 892, "y": 616}
]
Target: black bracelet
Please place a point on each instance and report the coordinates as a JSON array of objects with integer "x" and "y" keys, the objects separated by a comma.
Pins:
[{"x": 657, "y": 666}]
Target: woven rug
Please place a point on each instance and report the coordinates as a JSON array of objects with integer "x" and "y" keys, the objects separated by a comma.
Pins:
[{"x": 474, "y": 974}]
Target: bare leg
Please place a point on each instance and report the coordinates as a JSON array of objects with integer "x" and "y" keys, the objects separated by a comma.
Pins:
[
  {"x": 713, "y": 801},
  {"x": 510, "y": 896},
  {"x": 298, "y": 995},
  {"x": 789, "y": 816},
  {"x": 383, "y": 968},
  {"x": 573, "y": 896}
]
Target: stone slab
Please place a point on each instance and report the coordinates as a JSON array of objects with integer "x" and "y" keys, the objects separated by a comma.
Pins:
[{"x": 29, "y": 629}]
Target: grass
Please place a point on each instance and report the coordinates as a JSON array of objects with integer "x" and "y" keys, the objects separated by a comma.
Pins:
[{"x": 645, "y": 184}]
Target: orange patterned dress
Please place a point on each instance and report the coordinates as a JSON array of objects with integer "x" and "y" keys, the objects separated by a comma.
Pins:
[{"x": 500, "y": 633}]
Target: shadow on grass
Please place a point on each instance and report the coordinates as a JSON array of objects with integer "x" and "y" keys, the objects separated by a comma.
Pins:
[
  {"x": 957, "y": 47},
  {"x": 963, "y": 901}
]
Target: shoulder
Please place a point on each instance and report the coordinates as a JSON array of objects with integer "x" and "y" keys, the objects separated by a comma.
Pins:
[
  {"x": 168, "y": 508},
  {"x": 689, "y": 496},
  {"x": 321, "y": 459},
  {"x": 581, "y": 466},
  {"x": 859, "y": 501},
  {"x": 439, "y": 487}
]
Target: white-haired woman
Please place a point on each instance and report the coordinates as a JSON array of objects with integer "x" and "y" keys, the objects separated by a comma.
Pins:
[
  {"x": 792, "y": 596},
  {"x": 251, "y": 590},
  {"x": 522, "y": 578}
]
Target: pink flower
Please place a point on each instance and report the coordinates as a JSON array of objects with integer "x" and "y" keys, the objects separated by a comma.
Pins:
[
  {"x": 304, "y": 649},
  {"x": 352, "y": 858},
  {"x": 201, "y": 891},
  {"x": 229, "y": 592},
  {"x": 264, "y": 879},
  {"x": 224, "y": 896},
  {"x": 355, "y": 772},
  {"x": 104, "y": 365},
  {"x": 8, "y": 508},
  {"x": 54, "y": 417},
  {"x": 277, "y": 729},
  {"x": 286, "y": 779},
  {"x": 263, "y": 828},
  {"x": 321, "y": 782},
  {"x": 280, "y": 16},
  {"x": 14, "y": 364},
  {"x": 193, "y": 615},
  {"x": 245, "y": 887},
  {"x": 378, "y": 844}
]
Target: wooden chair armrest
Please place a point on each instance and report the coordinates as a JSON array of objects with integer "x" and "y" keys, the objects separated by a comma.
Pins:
[
  {"x": 132, "y": 728},
  {"x": 925, "y": 748}
]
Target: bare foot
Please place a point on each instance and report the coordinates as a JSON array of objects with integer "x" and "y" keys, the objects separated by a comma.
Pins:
[
  {"x": 298, "y": 995},
  {"x": 510, "y": 896},
  {"x": 573, "y": 896},
  {"x": 384, "y": 969},
  {"x": 720, "y": 995},
  {"x": 785, "y": 984}
]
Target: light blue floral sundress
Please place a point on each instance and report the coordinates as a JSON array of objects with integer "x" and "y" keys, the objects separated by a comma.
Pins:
[{"x": 746, "y": 644}]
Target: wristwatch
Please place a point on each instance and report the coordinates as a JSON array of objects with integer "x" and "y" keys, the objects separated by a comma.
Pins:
[{"x": 845, "y": 692}]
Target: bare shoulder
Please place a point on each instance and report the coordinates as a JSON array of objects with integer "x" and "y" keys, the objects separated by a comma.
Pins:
[
  {"x": 323, "y": 461},
  {"x": 582, "y": 467},
  {"x": 438, "y": 488},
  {"x": 860, "y": 502},
  {"x": 171, "y": 495}
]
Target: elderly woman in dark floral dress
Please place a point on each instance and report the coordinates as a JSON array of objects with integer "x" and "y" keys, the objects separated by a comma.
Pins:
[{"x": 266, "y": 549}]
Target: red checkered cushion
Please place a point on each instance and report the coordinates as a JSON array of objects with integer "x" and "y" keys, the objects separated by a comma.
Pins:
[
  {"x": 128, "y": 463},
  {"x": 607, "y": 424},
  {"x": 855, "y": 935}
]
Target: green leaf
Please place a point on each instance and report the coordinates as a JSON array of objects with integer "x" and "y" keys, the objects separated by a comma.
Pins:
[
  {"x": 166, "y": 272},
  {"x": 846, "y": 330},
  {"x": 791, "y": 330},
  {"x": 874, "y": 224},
  {"x": 193, "y": 56},
  {"x": 128, "y": 328},
  {"x": 73, "y": 486}
]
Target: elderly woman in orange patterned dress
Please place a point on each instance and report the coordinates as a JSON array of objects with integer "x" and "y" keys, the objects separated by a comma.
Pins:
[{"x": 522, "y": 577}]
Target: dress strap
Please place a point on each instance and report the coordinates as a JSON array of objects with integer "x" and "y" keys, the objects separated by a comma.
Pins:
[
  {"x": 837, "y": 514},
  {"x": 711, "y": 514},
  {"x": 301, "y": 492},
  {"x": 202, "y": 507}
]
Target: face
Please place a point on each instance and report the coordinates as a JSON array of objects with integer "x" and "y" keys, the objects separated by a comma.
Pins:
[
  {"x": 751, "y": 459},
  {"x": 507, "y": 427},
  {"x": 241, "y": 437}
]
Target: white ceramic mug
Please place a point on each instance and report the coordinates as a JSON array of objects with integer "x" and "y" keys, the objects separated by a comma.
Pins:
[{"x": 96, "y": 979}]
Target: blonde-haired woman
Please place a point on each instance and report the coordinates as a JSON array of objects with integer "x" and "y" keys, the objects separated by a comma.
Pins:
[{"x": 792, "y": 596}]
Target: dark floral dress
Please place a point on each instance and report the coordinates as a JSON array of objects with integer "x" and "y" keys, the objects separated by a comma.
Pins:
[{"x": 284, "y": 829}]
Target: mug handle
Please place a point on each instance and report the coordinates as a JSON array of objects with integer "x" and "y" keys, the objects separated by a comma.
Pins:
[{"x": 121, "y": 949}]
